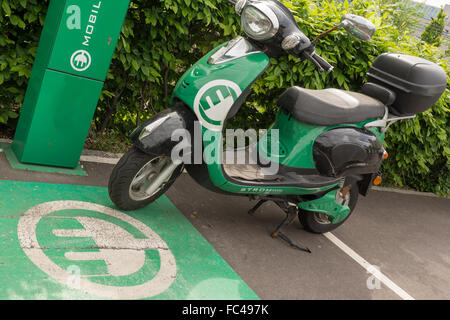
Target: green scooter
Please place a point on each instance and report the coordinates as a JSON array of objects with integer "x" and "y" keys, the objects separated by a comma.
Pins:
[{"x": 322, "y": 151}]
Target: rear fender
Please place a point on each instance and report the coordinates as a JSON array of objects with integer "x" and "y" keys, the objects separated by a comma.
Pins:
[
  {"x": 365, "y": 183},
  {"x": 328, "y": 205}
]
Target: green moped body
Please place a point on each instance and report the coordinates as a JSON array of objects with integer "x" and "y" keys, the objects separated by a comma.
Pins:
[{"x": 213, "y": 90}]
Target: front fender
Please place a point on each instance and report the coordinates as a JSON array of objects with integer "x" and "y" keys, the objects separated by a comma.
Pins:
[{"x": 154, "y": 136}]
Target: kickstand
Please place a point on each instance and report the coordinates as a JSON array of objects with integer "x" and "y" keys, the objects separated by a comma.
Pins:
[
  {"x": 291, "y": 214},
  {"x": 256, "y": 207}
]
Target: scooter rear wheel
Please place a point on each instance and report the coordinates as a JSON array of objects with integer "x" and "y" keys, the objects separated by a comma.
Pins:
[
  {"x": 138, "y": 179},
  {"x": 317, "y": 222}
]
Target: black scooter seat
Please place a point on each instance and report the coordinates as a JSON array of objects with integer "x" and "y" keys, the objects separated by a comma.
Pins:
[{"x": 330, "y": 106}]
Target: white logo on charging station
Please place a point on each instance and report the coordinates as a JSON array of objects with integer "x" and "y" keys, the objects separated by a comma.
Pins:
[{"x": 81, "y": 60}]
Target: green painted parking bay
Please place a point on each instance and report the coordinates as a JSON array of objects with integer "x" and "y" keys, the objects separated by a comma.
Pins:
[{"x": 70, "y": 242}]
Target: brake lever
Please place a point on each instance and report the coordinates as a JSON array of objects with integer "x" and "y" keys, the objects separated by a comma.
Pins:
[
  {"x": 316, "y": 63},
  {"x": 324, "y": 63}
]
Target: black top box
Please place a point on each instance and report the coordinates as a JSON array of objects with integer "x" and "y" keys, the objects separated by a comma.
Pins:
[{"x": 417, "y": 83}]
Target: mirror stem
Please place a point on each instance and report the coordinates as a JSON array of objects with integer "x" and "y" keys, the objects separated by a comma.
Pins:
[{"x": 325, "y": 33}]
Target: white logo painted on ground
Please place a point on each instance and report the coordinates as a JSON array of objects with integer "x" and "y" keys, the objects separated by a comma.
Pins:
[
  {"x": 214, "y": 101},
  {"x": 81, "y": 60},
  {"x": 123, "y": 253}
]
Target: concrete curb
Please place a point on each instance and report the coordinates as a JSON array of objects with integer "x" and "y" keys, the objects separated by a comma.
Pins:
[
  {"x": 112, "y": 158},
  {"x": 92, "y": 155},
  {"x": 410, "y": 192},
  {"x": 100, "y": 156}
]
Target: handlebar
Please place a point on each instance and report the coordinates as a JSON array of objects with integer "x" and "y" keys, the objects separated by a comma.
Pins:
[
  {"x": 322, "y": 62},
  {"x": 303, "y": 48},
  {"x": 318, "y": 61}
]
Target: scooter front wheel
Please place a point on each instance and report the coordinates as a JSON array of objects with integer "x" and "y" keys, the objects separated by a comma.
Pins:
[
  {"x": 317, "y": 222},
  {"x": 138, "y": 179}
]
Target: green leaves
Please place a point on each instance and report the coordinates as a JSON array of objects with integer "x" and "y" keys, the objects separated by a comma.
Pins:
[
  {"x": 433, "y": 32},
  {"x": 419, "y": 147},
  {"x": 6, "y": 8},
  {"x": 19, "y": 33},
  {"x": 6, "y": 114},
  {"x": 161, "y": 39}
]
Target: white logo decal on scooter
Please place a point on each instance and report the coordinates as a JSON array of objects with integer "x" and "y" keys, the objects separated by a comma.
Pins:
[{"x": 214, "y": 101}]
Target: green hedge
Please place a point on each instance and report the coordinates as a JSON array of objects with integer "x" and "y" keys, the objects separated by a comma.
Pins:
[{"x": 161, "y": 39}]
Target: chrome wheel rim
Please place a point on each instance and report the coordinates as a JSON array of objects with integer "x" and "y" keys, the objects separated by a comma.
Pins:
[
  {"x": 146, "y": 178},
  {"x": 323, "y": 218}
]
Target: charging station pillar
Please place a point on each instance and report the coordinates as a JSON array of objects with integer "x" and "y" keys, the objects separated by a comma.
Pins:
[{"x": 72, "y": 61}]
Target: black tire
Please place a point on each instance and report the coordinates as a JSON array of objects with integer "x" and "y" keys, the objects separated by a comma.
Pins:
[
  {"x": 309, "y": 220},
  {"x": 123, "y": 174}
]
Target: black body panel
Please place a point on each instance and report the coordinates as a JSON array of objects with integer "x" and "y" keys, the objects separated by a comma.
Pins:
[
  {"x": 386, "y": 96},
  {"x": 344, "y": 151},
  {"x": 366, "y": 182},
  {"x": 159, "y": 141},
  {"x": 416, "y": 82},
  {"x": 288, "y": 26},
  {"x": 199, "y": 173}
]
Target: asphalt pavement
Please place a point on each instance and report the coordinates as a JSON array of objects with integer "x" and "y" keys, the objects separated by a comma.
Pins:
[{"x": 394, "y": 246}]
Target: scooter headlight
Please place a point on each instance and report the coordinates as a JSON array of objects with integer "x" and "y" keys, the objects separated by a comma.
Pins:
[{"x": 259, "y": 21}]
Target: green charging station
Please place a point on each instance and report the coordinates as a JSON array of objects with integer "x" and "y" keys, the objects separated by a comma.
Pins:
[{"x": 72, "y": 61}]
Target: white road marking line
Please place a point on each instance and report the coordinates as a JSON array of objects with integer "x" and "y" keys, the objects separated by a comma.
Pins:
[
  {"x": 99, "y": 159},
  {"x": 370, "y": 268}
]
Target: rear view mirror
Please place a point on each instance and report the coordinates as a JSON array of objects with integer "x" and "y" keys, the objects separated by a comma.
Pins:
[{"x": 358, "y": 27}]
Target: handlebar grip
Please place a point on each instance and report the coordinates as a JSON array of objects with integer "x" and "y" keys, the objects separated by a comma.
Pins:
[
  {"x": 316, "y": 63},
  {"x": 232, "y": 1},
  {"x": 322, "y": 62}
]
